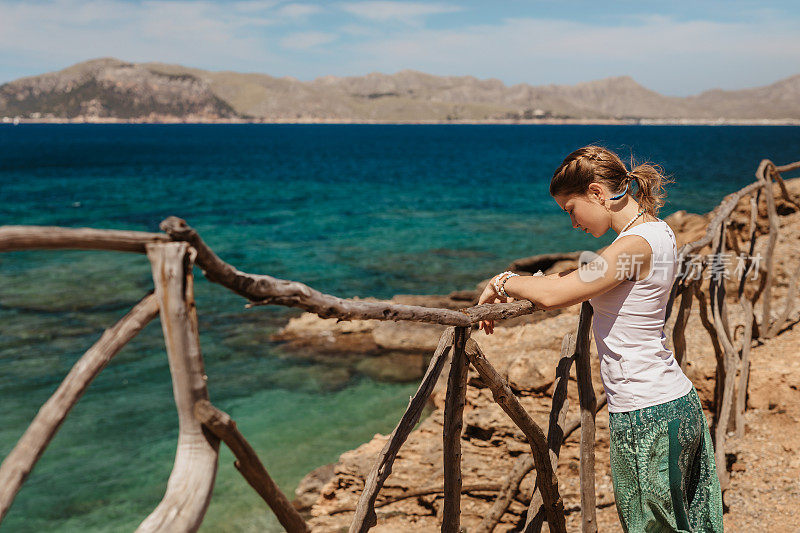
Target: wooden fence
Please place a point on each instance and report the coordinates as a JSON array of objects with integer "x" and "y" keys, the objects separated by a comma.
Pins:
[{"x": 172, "y": 255}]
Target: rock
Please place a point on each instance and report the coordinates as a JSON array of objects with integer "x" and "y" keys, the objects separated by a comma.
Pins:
[
  {"x": 763, "y": 394},
  {"x": 407, "y": 336},
  {"x": 308, "y": 490},
  {"x": 541, "y": 339},
  {"x": 312, "y": 337},
  {"x": 310, "y": 333},
  {"x": 481, "y": 424},
  {"x": 434, "y": 300},
  {"x": 532, "y": 371},
  {"x": 543, "y": 262},
  {"x": 464, "y": 296},
  {"x": 309, "y": 324},
  {"x": 688, "y": 227},
  {"x": 329, "y": 347}
]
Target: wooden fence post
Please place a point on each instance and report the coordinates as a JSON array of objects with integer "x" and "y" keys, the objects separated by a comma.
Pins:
[
  {"x": 505, "y": 398},
  {"x": 194, "y": 471},
  {"x": 451, "y": 436},
  {"x": 588, "y": 402},
  {"x": 364, "y": 517}
]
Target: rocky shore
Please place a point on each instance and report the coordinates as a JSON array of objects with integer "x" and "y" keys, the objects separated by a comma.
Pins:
[
  {"x": 764, "y": 463},
  {"x": 155, "y": 118}
]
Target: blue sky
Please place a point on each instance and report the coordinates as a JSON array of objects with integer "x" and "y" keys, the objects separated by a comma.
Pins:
[{"x": 673, "y": 47}]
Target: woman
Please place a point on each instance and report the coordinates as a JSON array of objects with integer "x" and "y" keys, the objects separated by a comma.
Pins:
[{"x": 662, "y": 458}]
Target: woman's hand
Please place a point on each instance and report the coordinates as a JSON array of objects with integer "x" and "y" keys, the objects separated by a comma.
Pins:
[{"x": 490, "y": 296}]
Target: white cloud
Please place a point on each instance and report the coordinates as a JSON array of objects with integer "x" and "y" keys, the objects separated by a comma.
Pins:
[
  {"x": 671, "y": 56},
  {"x": 676, "y": 57},
  {"x": 195, "y": 33},
  {"x": 407, "y": 12},
  {"x": 307, "y": 39},
  {"x": 299, "y": 10},
  {"x": 249, "y": 6}
]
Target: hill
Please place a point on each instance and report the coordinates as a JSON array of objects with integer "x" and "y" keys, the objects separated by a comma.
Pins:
[{"x": 112, "y": 89}]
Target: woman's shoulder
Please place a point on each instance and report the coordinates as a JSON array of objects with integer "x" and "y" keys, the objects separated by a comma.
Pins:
[{"x": 631, "y": 243}]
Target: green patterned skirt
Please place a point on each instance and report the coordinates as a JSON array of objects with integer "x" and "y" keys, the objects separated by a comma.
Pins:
[{"x": 662, "y": 465}]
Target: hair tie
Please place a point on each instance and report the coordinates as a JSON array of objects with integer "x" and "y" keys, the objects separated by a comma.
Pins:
[{"x": 620, "y": 195}]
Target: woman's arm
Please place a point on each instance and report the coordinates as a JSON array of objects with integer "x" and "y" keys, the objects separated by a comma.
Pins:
[
  {"x": 561, "y": 274},
  {"x": 602, "y": 274},
  {"x": 619, "y": 261}
]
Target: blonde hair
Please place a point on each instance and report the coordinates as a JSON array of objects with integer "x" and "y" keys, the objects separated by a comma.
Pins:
[{"x": 596, "y": 164}]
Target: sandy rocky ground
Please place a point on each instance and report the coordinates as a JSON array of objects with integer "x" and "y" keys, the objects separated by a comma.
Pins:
[{"x": 764, "y": 494}]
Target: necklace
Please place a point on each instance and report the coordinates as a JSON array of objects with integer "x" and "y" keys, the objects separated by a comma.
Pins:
[{"x": 631, "y": 221}]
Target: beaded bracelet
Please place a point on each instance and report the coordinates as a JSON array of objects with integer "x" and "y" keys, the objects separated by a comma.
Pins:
[
  {"x": 500, "y": 286},
  {"x": 496, "y": 282},
  {"x": 503, "y": 284}
]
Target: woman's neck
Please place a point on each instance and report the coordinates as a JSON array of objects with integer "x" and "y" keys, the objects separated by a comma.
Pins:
[{"x": 631, "y": 208}]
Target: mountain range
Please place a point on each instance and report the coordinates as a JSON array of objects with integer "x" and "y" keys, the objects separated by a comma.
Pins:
[{"x": 112, "y": 89}]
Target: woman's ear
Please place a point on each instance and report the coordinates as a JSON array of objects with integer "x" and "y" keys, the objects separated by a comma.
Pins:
[{"x": 597, "y": 192}]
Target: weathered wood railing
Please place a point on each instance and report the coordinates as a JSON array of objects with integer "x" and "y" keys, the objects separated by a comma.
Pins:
[
  {"x": 733, "y": 358},
  {"x": 202, "y": 426}
]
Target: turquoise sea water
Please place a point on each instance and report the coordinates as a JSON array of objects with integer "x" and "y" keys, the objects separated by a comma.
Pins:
[{"x": 350, "y": 210}]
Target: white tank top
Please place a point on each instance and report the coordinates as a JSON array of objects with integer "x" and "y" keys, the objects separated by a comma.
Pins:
[{"x": 637, "y": 368}]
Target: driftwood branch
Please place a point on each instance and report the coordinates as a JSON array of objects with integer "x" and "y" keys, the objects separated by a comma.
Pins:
[
  {"x": 261, "y": 289},
  {"x": 744, "y": 368},
  {"x": 508, "y": 491},
  {"x": 547, "y": 480},
  {"x": 522, "y": 467},
  {"x": 725, "y": 381},
  {"x": 555, "y": 434},
  {"x": 192, "y": 479},
  {"x": 706, "y": 321},
  {"x": 14, "y": 238},
  {"x": 438, "y": 489},
  {"x": 791, "y": 294},
  {"x": 451, "y": 435},
  {"x": 249, "y": 465},
  {"x": 776, "y": 171},
  {"x": 789, "y": 167},
  {"x": 749, "y": 317},
  {"x": 765, "y": 176},
  {"x": 588, "y": 403},
  {"x": 473, "y": 487},
  {"x": 720, "y": 213},
  {"x": 365, "y": 517},
  {"x": 751, "y": 240},
  {"x": 681, "y": 320},
  {"x": 20, "y": 462}
]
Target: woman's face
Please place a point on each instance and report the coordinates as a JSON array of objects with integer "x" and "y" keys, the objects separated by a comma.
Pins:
[{"x": 587, "y": 211}]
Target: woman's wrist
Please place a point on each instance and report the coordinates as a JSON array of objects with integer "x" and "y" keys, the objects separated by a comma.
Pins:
[
  {"x": 500, "y": 280},
  {"x": 512, "y": 289}
]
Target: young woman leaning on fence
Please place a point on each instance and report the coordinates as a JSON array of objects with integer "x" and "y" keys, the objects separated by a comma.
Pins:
[{"x": 662, "y": 458}]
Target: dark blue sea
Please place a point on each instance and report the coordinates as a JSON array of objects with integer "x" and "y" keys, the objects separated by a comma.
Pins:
[{"x": 352, "y": 210}]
